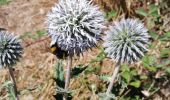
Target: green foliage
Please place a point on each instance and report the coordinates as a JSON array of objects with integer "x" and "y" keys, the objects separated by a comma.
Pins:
[
  {"x": 60, "y": 82},
  {"x": 154, "y": 35},
  {"x": 4, "y": 2},
  {"x": 165, "y": 37},
  {"x": 168, "y": 70},
  {"x": 165, "y": 53},
  {"x": 90, "y": 69},
  {"x": 100, "y": 57},
  {"x": 8, "y": 85},
  {"x": 105, "y": 78},
  {"x": 130, "y": 76},
  {"x": 152, "y": 17},
  {"x": 40, "y": 33},
  {"x": 142, "y": 12},
  {"x": 111, "y": 14},
  {"x": 59, "y": 73},
  {"x": 77, "y": 70},
  {"x": 104, "y": 96},
  {"x": 149, "y": 62},
  {"x": 29, "y": 35},
  {"x": 136, "y": 83},
  {"x": 151, "y": 12}
]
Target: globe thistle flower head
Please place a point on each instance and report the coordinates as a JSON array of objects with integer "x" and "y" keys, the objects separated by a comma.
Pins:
[
  {"x": 10, "y": 49},
  {"x": 126, "y": 41},
  {"x": 75, "y": 25}
]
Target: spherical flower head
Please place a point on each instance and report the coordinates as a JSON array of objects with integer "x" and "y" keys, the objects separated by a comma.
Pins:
[
  {"x": 10, "y": 49},
  {"x": 126, "y": 41},
  {"x": 75, "y": 25}
]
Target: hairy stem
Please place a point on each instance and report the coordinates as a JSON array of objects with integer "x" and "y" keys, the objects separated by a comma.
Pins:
[
  {"x": 115, "y": 72},
  {"x": 68, "y": 70},
  {"x": 14, "y": 83}
]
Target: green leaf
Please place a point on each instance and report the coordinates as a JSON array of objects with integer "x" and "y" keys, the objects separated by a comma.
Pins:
[
  {"x": 167, "y": 34},
  {"x": 152, "y": 46},
  {"x": 150, "y": 23},
  {"x": 153, "y": 11},
  {"x": 100, "y": 57},
  {"x": 153, "y": 8},
  {"x": 90, "y": 69},
  {"x": 4, "y": 2},
  {"x": 149, "y": 61},
  {"x": 105, "y": 78},
  {"x": 167, "y": 62},
  {"x": 136, "y": 83},
  {"x": 78, "y": 70},
  {"x": 127, "y": 76},
  {"x": 59, "y": 74},
  {"x": 155, "y": 14},
  {"x": 165, "y": 37},
  {"x": 125, "y": 67},
  {"x": 165, "y": 53},
  {"x": 168, "y": 70},
  {"x": 160, "y": 65},
  {"x": 41, "y": 33},
  {"x": 152, "y": 68},
  {"x": 143, "y": 77},
  {"x": 10, "y": 91},
  {"x": 106, "y": 96},
  {"x": 142, "y": 12},
  {"x": 26, "y": 35},
  {"x": 133, "y": 72},
  {"x": 111, "y": 14}
]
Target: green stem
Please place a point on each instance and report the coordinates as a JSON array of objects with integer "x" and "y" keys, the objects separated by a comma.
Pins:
[
  {"x": 115, "y": 72},
  {"x": 68, "y": 70},
  {"x": 14, "y": 82}
]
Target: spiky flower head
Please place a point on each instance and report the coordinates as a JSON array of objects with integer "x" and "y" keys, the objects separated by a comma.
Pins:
[
  {"x": 126, "y": 41},
  {"x": 10, "y": 49},
  {"x": 75, "y": 25}
]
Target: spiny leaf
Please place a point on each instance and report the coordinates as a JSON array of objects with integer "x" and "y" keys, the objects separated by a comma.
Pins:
[
  {"x": 59, "y": 74},
  {"x": 77, "y": 70},
  {"x": 105, "y": 78}
]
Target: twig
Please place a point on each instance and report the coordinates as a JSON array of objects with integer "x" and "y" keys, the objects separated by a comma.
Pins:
[{"x": 14, "y": 82}]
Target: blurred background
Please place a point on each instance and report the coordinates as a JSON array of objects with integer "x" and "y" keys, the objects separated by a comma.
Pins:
[{"x": 148, "y": 79}]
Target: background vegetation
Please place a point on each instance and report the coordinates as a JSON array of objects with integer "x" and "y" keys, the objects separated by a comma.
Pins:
[{"x": 39, "y": 71}]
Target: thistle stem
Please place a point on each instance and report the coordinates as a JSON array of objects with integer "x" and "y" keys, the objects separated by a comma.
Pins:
[
  {"x": 14, "y": 82},
  {"x": 115, "y": 72},
  {"x": 68, "y": 70}
]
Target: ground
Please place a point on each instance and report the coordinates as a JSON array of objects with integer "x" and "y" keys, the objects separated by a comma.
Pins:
[{"x": 35, "y": 71}]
